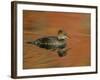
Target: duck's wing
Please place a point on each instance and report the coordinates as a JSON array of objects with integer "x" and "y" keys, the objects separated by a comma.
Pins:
[{"x": 45, "y": 42}]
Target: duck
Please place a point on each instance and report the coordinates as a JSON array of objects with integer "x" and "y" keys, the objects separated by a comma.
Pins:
[{"x": 54, "y": 43}]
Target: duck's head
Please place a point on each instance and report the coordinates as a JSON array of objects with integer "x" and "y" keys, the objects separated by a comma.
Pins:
[{"x": 62, "y": 35}]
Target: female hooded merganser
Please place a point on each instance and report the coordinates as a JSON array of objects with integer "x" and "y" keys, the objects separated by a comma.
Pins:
[{"x": 53, "y": 43}]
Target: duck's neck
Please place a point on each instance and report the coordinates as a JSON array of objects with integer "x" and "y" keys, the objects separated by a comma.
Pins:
[{"x": 61, "y": 40}]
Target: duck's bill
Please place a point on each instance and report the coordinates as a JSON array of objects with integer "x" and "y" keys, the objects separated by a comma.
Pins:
[{"x": 67, "y": 37}]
